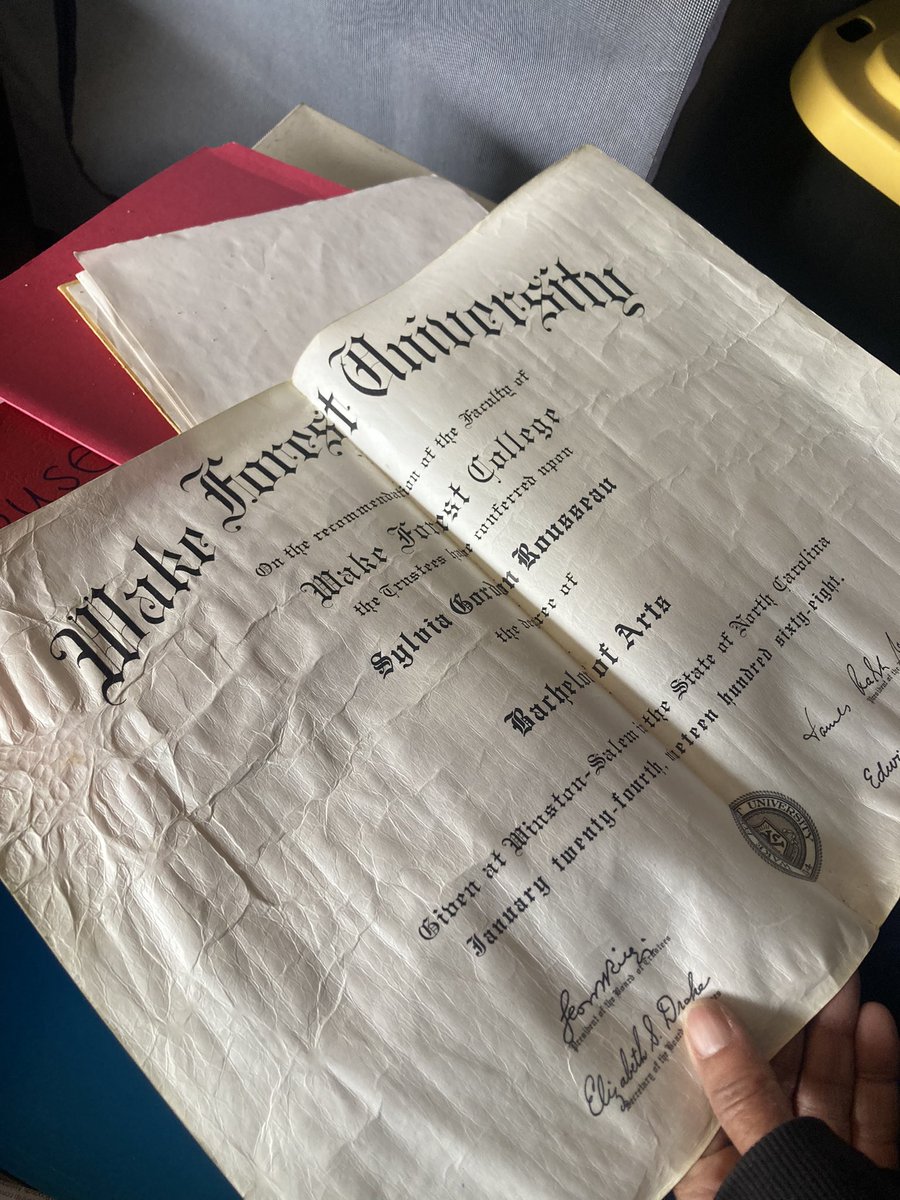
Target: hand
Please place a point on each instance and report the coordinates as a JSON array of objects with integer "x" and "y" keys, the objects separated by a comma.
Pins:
[{"x": 842, "y": 1068}]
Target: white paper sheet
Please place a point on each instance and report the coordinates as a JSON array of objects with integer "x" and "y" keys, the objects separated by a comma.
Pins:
[{"x": 210, "y": 315}]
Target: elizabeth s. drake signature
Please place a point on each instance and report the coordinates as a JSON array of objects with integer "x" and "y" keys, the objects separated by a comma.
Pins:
[
  {"x": 869, "y": 677},
  {"x": 647, "y": 1034}
]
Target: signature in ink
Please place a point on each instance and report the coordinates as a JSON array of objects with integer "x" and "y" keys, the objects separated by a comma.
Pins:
[
  {"x": 599, "y": 1090},
  {"x": 818, "y": 731},
  {"x": 874, "y": 674}
]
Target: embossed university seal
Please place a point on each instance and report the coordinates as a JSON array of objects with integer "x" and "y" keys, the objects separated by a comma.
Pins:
[{"x": 781, "y": 832}]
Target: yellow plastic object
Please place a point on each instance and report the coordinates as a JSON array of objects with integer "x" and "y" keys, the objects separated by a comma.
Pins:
[{"x": 846, "y": 88}]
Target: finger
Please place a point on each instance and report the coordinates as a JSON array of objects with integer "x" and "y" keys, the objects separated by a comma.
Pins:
[
  {"x": 718, "y": 1142},
  {"x": 709, "y": 1172},
  {"x": 786, "y": 1064},
  {"x": 826, "y": 1083},
  {"x": 875, "y": 1117},
  {"x": 739, "y": 1083}
]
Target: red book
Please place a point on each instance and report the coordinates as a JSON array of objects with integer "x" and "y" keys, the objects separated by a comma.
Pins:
[
  {"x": 38, "y": 465},
  {"x": 53, "y": 367}
]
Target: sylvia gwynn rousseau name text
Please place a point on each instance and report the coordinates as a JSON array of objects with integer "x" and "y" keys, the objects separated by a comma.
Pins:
[{"x": 371, "y": 370}]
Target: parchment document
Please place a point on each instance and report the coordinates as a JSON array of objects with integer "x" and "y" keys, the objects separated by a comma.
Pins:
[{"x": 392, "y": 774}]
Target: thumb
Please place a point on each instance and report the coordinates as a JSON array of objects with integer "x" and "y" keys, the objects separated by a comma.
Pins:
[{"x": 740, "y": 1085}]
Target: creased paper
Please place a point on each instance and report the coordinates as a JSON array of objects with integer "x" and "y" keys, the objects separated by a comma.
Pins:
[{"x": 393, "y": 806}]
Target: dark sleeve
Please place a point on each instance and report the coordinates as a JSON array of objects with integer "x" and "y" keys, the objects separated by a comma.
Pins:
[{"x": 804, "y": 1160}]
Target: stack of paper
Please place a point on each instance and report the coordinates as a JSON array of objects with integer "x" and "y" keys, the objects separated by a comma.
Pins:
[
  {"x": 206, "y": 317},
  {"x": 51, "y": 368},
  {"x": 198, "y": 311}
]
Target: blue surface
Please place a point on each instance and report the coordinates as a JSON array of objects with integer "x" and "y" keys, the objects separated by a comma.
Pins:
[{"x": 78, "y": 1120}]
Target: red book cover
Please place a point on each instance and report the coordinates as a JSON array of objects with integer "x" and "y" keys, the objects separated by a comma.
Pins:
[
  {"x": 38, "y": 465},
  {"x": 53, "y": 367}
]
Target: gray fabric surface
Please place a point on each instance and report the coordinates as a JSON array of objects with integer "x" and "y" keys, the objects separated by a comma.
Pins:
[{"x": 486, "y": 93}]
